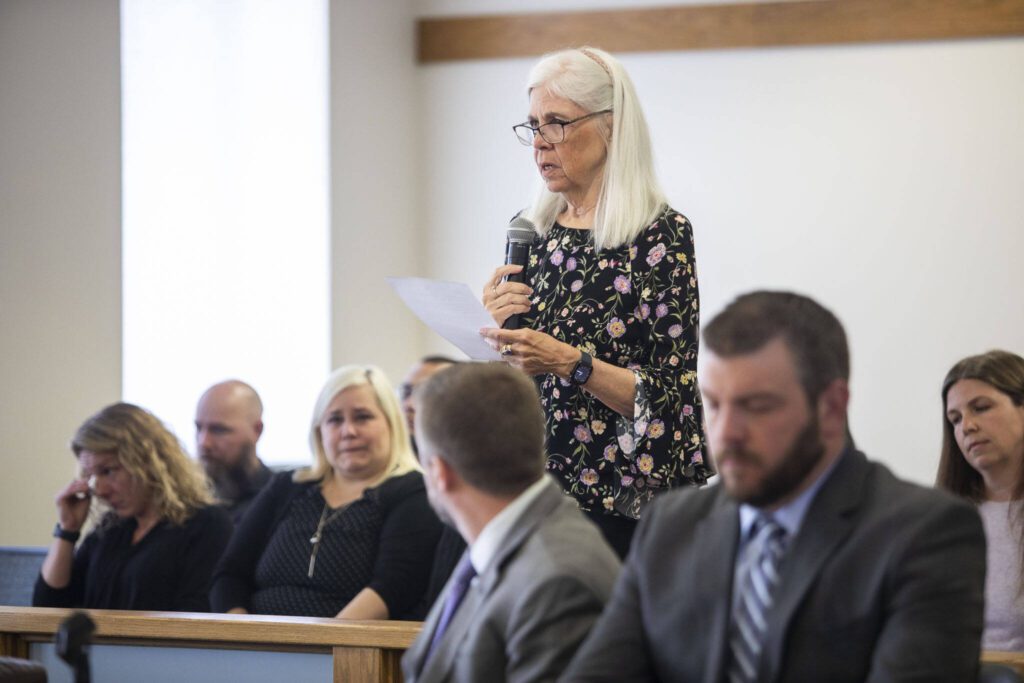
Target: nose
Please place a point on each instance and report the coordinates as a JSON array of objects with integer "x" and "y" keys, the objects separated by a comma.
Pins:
[
  {"x": 203, "y": 439},
  {"x": 539, "y": 142},
  {"x": 967, "y": 424},
  {"x": 727, "y": 427},
  {"x": 349, "y": 428}
]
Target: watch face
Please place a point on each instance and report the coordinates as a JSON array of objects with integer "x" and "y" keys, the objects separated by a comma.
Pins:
[{"x": 582, "y": 373}]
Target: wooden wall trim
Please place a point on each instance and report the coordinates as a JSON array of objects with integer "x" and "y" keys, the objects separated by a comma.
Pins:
[{"x": 703, "y": 27}]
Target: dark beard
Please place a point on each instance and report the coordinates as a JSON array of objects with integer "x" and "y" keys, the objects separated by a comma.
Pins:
[
  {"x": 806, "y": 452},
  {"x": 228, "y": 482}
]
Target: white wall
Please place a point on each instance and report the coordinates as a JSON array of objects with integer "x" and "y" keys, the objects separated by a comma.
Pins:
[
  {"x": 884, "y": 180},
  {"x": 60, "y": 232},
  {"x": 377, "y": 225}
]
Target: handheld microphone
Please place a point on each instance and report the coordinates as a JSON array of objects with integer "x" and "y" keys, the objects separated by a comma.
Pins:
[{"x": 517, "y": 253}]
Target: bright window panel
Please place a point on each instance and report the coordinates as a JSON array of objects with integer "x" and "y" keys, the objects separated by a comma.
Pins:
[{"x": 226, "y": 208}]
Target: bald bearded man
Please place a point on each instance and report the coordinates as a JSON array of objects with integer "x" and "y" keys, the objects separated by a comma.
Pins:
[{"x": 229, "y": 422}]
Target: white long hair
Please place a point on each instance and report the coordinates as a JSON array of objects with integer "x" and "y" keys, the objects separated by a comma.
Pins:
[{"x": 630, "y": 198}]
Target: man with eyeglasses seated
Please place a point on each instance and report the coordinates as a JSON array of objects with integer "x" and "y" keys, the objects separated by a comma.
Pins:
[
  {"x": 419, "y": 373},
  {"x": 450, "y": 546}
]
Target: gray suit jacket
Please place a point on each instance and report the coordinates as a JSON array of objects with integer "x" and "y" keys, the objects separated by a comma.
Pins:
[
  {"x": 884, "y": 582},
  {"x": 525, "y": 616}
]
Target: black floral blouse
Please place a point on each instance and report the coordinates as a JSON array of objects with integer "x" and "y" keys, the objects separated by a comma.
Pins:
[{"x": 634, "y": 306}]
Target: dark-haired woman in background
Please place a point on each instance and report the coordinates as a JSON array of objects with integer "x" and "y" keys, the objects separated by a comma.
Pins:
[
  {"x": 352, "y": 536},
  {"x": 609, "y": 307},
  {"x": 159, "y": 536},
  {"x": 983, "y": 461}
]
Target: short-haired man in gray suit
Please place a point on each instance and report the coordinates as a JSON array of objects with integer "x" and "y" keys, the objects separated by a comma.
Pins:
[
  {"x": 537, "y": 573},
  {"x": 808, "y": 562}
]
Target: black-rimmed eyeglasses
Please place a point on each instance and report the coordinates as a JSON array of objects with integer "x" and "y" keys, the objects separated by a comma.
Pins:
[{"x": 552, "y": 133}]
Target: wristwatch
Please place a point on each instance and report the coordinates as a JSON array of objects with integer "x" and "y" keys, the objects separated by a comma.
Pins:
[
  {"x": 581, "y": 373},
  {"x": 65, "y": 535}
]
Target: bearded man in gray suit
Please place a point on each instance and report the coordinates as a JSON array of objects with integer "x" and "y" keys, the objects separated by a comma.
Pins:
[
  {"x": 808, "y": 562},
  {"x": 537, "y": 573}
]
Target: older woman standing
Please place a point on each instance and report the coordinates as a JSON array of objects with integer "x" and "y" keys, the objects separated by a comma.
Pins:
[
  {"x": 983, "y": 460},
  {"x": 609, "y": 306},
  {"x": 352, "y": 536},
  {"x": 160, "y": 537}
]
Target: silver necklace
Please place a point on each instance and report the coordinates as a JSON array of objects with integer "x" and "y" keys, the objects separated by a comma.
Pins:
[{"x": 325, "y": 519}]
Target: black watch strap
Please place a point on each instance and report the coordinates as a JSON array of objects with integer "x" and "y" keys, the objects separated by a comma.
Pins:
[{"x": 65, "y": 535}]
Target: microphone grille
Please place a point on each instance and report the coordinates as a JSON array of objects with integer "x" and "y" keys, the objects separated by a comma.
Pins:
[{"x": 521, "y": 230}]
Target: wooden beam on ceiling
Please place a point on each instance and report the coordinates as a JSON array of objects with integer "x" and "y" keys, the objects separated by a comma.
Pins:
[{"x": 705, "y": 27}]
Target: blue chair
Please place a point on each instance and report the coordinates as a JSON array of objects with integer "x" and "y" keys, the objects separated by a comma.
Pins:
[{"x": 19, "y": 568}]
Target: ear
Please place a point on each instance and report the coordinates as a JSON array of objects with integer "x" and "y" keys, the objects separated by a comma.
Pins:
[
  {"x": 258, "y": 427},
  {"x": 832, "y": 405},
  {"x": 442, "y": 474}
]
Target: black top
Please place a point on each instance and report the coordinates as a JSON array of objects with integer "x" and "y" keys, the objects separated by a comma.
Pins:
[
  {"x": 634, "y": 306},
  {"x": 450, "y": 548},
  {"x": 384, "y": 540},
  {"x": 168, "y": 570}
]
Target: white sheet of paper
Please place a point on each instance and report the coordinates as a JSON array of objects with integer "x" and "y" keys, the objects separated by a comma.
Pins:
[{"x": 451, "y": 310}]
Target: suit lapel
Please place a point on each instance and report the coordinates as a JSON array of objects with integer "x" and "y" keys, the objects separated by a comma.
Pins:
[
  {"x": 828, "y": 521},
  {"x": 442, "y": 660},
  {"x": 714, "y": 570}
]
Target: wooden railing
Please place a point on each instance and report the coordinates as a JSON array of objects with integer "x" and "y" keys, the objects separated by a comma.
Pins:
[
  {"x": 361, "y": 650},
  {"x": 1014, "y": 660}
]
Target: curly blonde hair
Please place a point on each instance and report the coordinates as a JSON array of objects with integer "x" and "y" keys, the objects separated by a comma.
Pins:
[{"x": 151, "y": 454}]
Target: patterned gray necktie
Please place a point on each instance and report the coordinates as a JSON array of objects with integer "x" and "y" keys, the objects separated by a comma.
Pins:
[{"x": 756, "y": 588}]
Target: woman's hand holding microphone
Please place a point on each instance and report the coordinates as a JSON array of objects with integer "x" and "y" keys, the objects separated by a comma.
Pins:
[
  {"x": 504, "y": 299},
  {"x": 535, "y": 353}
]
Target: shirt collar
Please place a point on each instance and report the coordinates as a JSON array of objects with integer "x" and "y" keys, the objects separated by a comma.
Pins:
[
  {"x": 486, "y": 546},
  {"x": 791, "y": 515}
]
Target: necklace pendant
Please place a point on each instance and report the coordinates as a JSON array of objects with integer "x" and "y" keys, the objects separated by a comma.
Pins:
[{"x": 315, "y": 538}]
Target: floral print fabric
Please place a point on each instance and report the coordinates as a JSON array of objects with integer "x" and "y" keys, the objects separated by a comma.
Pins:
[{"x": 635, "y": 306}]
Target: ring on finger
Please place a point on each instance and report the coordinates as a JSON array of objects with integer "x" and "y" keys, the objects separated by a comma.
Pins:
[{"x": 506, "y": 349}]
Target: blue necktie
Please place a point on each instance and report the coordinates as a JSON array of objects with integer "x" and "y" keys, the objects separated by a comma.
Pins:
[
  {"x": 756, "y": 588},
  {"x": 462, "y": 577}
]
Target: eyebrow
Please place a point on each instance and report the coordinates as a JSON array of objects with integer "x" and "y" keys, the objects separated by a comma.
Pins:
[
  {"x": 100, "y": 465},
  {"x": 971, "y": 402},
  {"x": 548, "y": 115},
  {"x": 758, "y": 396}
]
